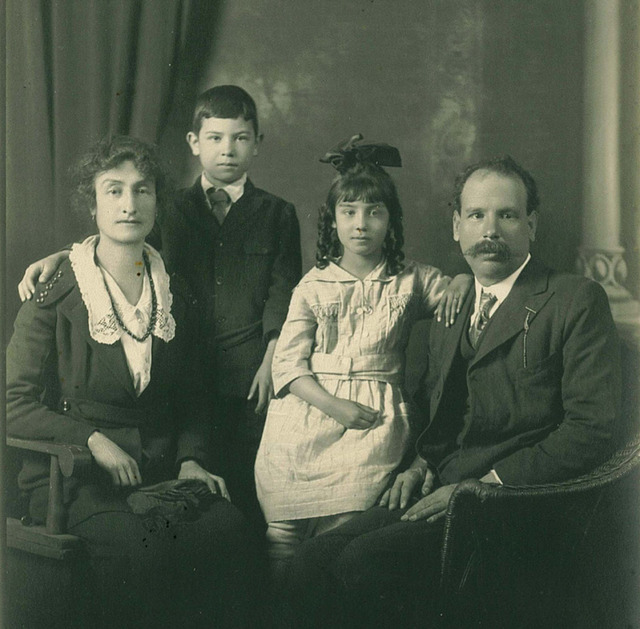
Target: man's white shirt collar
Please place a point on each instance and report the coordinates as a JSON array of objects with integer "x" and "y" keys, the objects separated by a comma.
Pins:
[
  {"x": 500, "y": 290},
  {"x": 235, "y": 190}
]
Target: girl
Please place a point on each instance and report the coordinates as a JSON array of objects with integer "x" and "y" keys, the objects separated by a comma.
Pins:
[
  {"x": 341, "y": 422},
  {"x": 103, "y": 358}
]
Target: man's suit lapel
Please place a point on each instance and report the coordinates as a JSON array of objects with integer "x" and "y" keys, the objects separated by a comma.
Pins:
[
  {"x": 444, "y": 345},
  {"x": 451, "y": 340},
  {"x": 111, "y": 356},
  {"x": 526, "y": 299}
]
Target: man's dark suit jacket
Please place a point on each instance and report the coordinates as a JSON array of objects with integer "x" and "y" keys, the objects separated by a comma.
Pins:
[
  {"x": 242, "y": 274},
  {"x": 543, "y": 385}
]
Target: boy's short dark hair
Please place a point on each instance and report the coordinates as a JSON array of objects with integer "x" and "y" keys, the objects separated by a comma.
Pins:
[
  {"x": 110, "y": 152},
  {"x": 502, "y": 165},
  {"x": 225, "y": 101}
]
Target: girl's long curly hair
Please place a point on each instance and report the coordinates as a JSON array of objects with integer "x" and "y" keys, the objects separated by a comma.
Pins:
[{"x": 371, "y": 184}]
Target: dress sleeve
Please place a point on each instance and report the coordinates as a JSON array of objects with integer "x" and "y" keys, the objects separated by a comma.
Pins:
[
  {"x": 295, "y": 344},
  {"x": 31, "y": 378},
  {"x": 431, "y": 286}
]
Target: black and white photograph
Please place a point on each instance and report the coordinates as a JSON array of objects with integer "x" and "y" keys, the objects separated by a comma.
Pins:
[{"x": 320, "y": 314}]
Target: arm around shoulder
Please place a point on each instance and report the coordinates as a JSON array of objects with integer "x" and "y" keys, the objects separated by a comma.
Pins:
[{"x": 41, "y": 271}]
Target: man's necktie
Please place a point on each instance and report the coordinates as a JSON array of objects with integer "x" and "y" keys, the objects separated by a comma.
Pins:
[
  {"x": 219, "y": 200},
  {"x": 484, "y": 308}
]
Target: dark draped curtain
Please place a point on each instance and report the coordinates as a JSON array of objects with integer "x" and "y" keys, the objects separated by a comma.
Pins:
[{"x": 77, "y": 70}]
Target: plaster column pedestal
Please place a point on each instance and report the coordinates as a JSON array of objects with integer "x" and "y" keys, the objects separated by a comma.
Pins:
[{"x": 601, "y": 257}]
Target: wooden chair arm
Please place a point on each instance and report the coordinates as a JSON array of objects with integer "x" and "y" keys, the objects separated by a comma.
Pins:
[
  {"x": 65, "y": 460},
  {"x": 69, "y": 456}
]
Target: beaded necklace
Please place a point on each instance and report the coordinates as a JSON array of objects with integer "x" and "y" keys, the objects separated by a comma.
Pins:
[{"x": 154, "y": 305}]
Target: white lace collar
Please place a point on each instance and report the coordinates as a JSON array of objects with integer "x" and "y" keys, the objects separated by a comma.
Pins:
[{"x": 103, "y": 326}]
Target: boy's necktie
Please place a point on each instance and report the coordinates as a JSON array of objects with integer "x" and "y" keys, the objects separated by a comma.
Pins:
[
  {"x": 484, "y": 308},
  {"x": 220, "y": 201}
]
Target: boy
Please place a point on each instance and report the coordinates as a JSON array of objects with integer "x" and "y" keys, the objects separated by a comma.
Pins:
[{"x": 239, "y": 248}]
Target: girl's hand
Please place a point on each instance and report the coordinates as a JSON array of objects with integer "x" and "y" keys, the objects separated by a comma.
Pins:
[
  {"x": 451, "y": 301},
  {"x": 353, "y": 415},
  {"x": 40, "y": 271},
  {"x": 192, "y": 469},
  {"x": 122, "y": 468}
]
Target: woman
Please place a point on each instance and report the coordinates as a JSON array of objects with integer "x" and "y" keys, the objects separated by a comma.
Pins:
[{"x": 103, "y": 357}]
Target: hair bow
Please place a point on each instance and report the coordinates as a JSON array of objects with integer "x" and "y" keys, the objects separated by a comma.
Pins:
[{"x": 348, "y": 153}]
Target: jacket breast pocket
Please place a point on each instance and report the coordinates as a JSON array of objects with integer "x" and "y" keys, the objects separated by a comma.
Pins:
[
  {"x": 258, "y": 261},
  {"x": 539, "y": 392},
  {"x": 258, "y": 247}
]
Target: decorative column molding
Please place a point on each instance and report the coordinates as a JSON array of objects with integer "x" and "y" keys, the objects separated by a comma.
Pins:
[{"x": 601, "y": 257}]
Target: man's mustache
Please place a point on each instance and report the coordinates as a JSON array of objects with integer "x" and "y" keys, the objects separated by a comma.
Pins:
[{"x": 495, "y": 247}]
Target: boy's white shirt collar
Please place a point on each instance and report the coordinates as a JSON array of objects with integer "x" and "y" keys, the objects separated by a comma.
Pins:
[
  {"x": 500, "y": 290},
  {"x": 235, "y": 190}
]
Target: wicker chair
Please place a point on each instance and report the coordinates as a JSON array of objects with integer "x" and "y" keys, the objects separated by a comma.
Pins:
[{"x": 511, "y": 556}]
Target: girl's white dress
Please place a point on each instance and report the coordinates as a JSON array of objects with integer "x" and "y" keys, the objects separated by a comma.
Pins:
[{"x": 351, "y": 335}]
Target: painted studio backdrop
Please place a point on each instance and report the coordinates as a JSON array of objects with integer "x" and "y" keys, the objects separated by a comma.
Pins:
[
  {"x": 554, "y": 83},
  {"x": 446, "y": 82}
]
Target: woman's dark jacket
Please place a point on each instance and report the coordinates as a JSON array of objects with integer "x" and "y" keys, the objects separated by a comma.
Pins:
[{"x": 62, "y": 386}]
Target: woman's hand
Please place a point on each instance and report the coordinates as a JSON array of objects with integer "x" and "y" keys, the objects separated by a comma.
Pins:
[
  {"x": 122, "y": 468},
  {"x": 352, "y": 414},
  {"x": 40, "y": 271},
  {"x": 192, "y": 469},
  {"x": 451, "y": 301},
  {"x": 405, "y": 485}
]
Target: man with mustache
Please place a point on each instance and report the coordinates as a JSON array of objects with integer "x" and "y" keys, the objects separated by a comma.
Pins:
[{"x": 521, "y": 390}]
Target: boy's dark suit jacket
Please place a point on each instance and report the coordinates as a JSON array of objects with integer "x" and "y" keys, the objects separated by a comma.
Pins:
[
  {"x": 242, "y": 274},
  {"x": 62, "y": 386},
  {"x": 543, "y": 385}
]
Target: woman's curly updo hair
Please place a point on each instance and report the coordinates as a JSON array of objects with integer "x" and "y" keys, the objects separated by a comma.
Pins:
[
  {"x": 110, "y": 152},
  {"x": 368, "y": 183}
]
